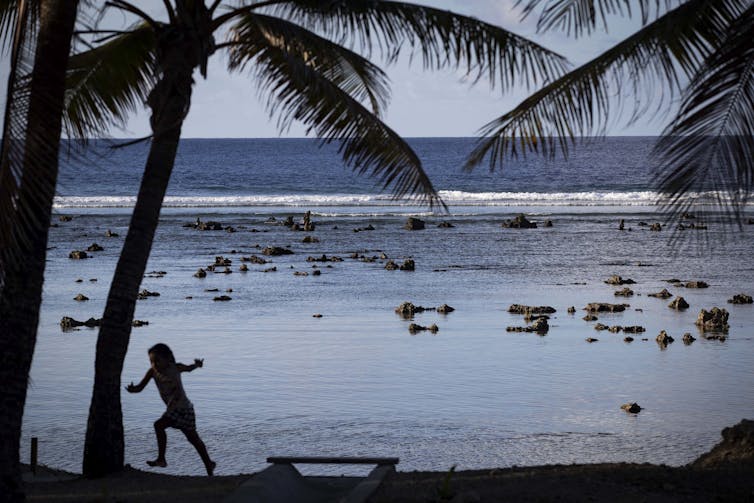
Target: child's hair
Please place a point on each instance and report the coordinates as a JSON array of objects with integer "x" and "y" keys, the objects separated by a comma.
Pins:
[{"x": 163, "y": 350}]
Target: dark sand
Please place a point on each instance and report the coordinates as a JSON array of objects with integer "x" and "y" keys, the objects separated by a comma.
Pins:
[{"x": 726, "y": 473}]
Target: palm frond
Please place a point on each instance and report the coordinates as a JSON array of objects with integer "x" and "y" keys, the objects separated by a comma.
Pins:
[
  {"x": 351, "y": 72},
  {"x": 106, "y": 83},
  {"x": 707, "y": 154},
  {"x": 12, "y": 152},
  {"x": 581, "y": 17},
  {"x": 441, "y": 38},
  {"x": 650, "y": 62},
  {"x": 9, "y": 10},
  {"x": 297, "y": 89}
]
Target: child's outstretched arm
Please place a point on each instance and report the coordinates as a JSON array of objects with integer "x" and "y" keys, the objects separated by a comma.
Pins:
[
  {"x": 188, "y": 368},
  {"x": 131, "y": 388}
]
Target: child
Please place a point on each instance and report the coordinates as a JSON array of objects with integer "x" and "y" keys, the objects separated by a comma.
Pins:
[{"x": 180, "y": 412}]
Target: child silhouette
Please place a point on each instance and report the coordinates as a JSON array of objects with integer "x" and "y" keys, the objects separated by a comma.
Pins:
[{"x": 180, "y": 412}]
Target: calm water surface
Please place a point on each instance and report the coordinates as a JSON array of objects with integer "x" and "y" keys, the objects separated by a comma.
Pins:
[{"x": 277, "y": 381}]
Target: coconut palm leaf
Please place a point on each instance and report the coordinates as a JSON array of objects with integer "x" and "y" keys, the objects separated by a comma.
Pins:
[
  {"x": 707, "y": 154},
  {"x": 108, "y": 82},
  {"x": 350, "y": 71},
  {"x": 581, "y": 17},
  {"x": 301, "y": 82},
  {"x": 442, "y": 38},
  {"x": 9, "y": 10},
  {"x": 578, "y": 104},
  {"x": 22, "y": 24}
]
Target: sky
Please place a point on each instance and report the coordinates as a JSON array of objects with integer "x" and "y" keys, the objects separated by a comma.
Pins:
[{"x": 423, "y": 104}]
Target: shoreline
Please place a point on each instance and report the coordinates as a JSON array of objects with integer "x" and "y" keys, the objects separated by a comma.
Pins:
[{"x": 723, "y": 474}]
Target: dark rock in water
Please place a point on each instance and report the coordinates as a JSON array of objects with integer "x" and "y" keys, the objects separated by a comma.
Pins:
[
  {"x": 146, "y": 293},
  {"x": 201, "y": 273},
  {"x": 276, "y": 251},
  {"x": 413, "y": 328},
  {"x": 548, "y": 223},
  {"x": 540, "y": 326},
  {"x": 715, "y": 337},
  {"x": 625, "y": 292},
  {"x": 604, "y": 307},
  {"x": 324, "y": 258},
  {"x": 715, "y": 319},
  {"x": 68, "y": 323},
  {"x": 520, "y": 222},
  {"x": 572, "y": 310},
  {"x": 590, "y": 317},
  {"x": 408, "y": 265},
  {"x": 79, "y": 280},
  {"x": 622, "y": 225},
  {"x": 688, "y": 216},
  {"x": 221, "y": 261},
  {"x": 227, "y": 270},
  {"x": 156, "y": 274},
  {"x": 243, "y": 268},
  {"x": 222, "y": 298},
  {"x": 633, "y": 407},
  {"x": 301, "y": 273},
  {"x": 139, "y": 323},
  {"x": 317, "y": 315},
  {"x": 600, "y": 327},
  {"x": 391, "y": 266},
  {"x": 369, "y": 227},
  {"x": 615, "y": 329},
  {"x": 110, "y": 234},
  {"x": 407, "y": 309},
  {"x": 254, "y": 259},
  {"x": 522, "y": 309},
  {"x": 678, "y": 304},
  {"x": 688, "y": 338},
  {"x": 78, "y": 255},
  {"x": 445, "y": 225},
  {"x": 81, "y": 297},
  {"x": 591, "y": 340},
  {"x": 211, "y": 289},
  {"x": 736, "y": 449},
  {"x": 65, "y": 218},
  {"x": 634, "y": 329},
  {"x": 663, "y": 339},
  {"x": 657, "y": 227},
  {"x": 308, "y": 224},
  {"x": 414, "y": 224},
  {"x": 205, "y": 226},
  {"x": 316, "y": 272},
  {"x": 741, "y": 298},
  {"x": 617, "y": 280},
  {"x": 270, "y": 269},
  {"x": 750, "y": 221},
  {"x": 445, "y": 309},
  {"x": 696, "y": 284},
  {"x": 94, "y": 247},
  {"x": 628, "y": 338},
  {"x": 673, "y": 280},
  {"x": 310, "y": 239},
  {"x": 663, "y": 294}
]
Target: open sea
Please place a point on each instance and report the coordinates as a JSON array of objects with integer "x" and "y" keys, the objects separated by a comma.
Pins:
[{"x": 355, "y": 381}]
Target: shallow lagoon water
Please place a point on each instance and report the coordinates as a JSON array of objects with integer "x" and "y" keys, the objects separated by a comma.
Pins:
[{"x": 277, "y": 381}]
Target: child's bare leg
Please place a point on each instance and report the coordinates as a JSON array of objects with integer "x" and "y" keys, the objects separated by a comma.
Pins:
[
  {"x": 162, "y": 442},
  {"x": 193, "y": 437}
]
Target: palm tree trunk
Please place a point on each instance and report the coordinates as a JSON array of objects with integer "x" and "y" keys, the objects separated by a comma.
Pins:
[
  {"x": 170, "y": 101},
  {"x": 22, "y": 292}
]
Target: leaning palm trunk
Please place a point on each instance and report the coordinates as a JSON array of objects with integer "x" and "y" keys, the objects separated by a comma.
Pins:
[
  {"x": 169, "y": 100},
  {"x": 24, "y": 246}
]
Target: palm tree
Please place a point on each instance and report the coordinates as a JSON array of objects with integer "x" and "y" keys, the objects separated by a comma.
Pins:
[
  {"x": 288, "y": 47},
  {"x": 700, "y": 50},
  {"x": 28, "y": 173}
]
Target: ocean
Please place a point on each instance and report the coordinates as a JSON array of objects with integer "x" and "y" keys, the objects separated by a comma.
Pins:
[{"x": 278, "y": 381}]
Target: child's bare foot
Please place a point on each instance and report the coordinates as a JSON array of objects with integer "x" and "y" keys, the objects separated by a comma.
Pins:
[
  {"x": 211, "y": 468},
  {"x": 158, "y": 462}
]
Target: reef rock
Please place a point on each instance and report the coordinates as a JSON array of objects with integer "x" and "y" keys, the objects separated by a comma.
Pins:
[
  {"x": 736, "y": 448},
  {"x": 414, "y": 224},
  {"x": 715, "y": 319},
  {"x": 678, "y": 304},
  {"x": 520, "y": 222},
  {"x": 276, "y": 251},
  {"x": 604, "y": 307},
  {"x": 617, "y": 280},
  {"x": 633, "y": 407},
  {"x": 741, "y": 298},
  {"x": 663, "y": 339},
  {"x": 663, "y": 294},
  {"x": 625, "y": 292}
]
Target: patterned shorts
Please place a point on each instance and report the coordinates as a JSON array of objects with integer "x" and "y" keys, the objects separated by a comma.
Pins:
[{"x": 182, "y": 418}]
